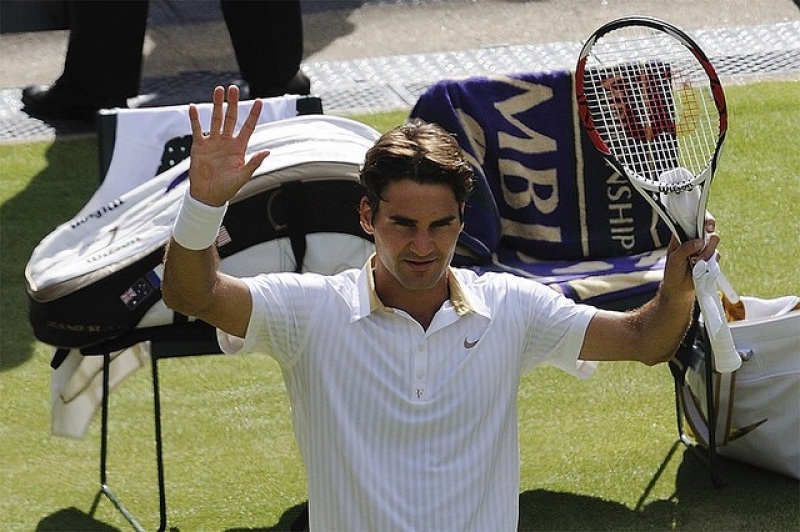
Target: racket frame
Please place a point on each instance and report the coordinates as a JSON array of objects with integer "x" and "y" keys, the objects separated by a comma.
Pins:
[{"x": 646, "y": 187}]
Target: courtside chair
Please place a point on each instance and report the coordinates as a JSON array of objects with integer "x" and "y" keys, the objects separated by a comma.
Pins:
[{"x": 134, "y": 146}]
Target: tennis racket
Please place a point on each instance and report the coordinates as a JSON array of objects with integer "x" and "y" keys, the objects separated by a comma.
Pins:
[{"x": 651, "y": 102}]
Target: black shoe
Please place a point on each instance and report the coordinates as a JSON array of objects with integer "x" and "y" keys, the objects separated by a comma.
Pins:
[
  {"x": 299, "y": 84},
  {"x": 52, "y": 102}
]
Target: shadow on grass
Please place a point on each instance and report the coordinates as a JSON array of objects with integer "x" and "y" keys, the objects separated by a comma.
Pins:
[
  {"x": 695, "y": 504},
  {"x": 295, "y": 519},
  {"x": 753, "y": 499},
  {"x": 52, "y": 197},
  {"x": 72, "y": 519},
  {"x": 771, "y": 503}
]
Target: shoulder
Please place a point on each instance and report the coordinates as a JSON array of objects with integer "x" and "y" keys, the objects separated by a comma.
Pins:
[
  {"x": 291, "y": 284},
  {"x": 299, "y": 297},
  {"x": 499, "y": 282},
  {"x": 501, "y": 291}
]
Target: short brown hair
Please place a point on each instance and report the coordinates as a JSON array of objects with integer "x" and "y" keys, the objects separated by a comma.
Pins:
[{"x": 419, "y": 151}]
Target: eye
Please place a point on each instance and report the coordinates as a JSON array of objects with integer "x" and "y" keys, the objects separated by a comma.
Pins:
[{"x": 443, "y": 223}]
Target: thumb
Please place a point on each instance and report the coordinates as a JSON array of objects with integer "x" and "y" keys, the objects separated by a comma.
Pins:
[
  {"x": 674, "y": 244},
  {"x": 255, "y": 161}
]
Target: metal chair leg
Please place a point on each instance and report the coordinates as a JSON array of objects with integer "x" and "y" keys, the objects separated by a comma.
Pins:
[
  {"x": 104, "y": 487},
  {"x": 695, "y": 348},
  {"x": 716, "y": 479},
  {"x": 180, "y": 339},
  {"x": 162, "y": 495}
]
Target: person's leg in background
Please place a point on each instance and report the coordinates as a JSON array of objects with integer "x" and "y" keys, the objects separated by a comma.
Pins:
[
  {"x": 267, "y": 37},
  {"x": 103, "y": 65}
]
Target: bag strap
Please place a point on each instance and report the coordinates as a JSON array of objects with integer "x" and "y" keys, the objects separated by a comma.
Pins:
[
  {"x": 293, "y": 210},
  {"x": 295, "y": 203}
]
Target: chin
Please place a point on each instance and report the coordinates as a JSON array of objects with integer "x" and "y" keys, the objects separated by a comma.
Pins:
[{"x": 413, "y": 282}]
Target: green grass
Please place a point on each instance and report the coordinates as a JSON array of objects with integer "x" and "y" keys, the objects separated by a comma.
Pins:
[{"x": 596, "y": 454}]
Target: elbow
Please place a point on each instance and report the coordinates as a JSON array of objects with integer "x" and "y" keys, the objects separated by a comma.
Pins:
[
  {"x": 178, "y": 301},
  {"x": 654, "y": 357},
  {"x": 172, "y": 300},
  {"x": 169, "y": 297},
  {"x": 659, "y": 359},
  {"x": 190, "y": 281}
]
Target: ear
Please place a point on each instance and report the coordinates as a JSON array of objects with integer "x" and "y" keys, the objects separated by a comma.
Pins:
[{"x": 365, "y": 216}]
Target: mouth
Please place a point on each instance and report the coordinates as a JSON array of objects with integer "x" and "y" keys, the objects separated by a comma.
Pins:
[{"x": 420, "y": 265}]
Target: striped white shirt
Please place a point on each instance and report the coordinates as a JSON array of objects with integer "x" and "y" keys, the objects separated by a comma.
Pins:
[{"x": 402, "y": 428}]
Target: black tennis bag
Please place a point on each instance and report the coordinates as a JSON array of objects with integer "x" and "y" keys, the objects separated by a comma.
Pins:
[{"x": 98, "y": 275}]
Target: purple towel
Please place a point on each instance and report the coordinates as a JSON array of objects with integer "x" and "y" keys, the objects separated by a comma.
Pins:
[{"x": 546, "y": 204}]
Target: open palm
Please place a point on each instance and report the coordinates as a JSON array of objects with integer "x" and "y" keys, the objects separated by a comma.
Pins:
[{"x": 218, "y": 168}]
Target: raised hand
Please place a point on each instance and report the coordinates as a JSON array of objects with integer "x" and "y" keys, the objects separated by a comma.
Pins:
[{"x": 218, "y": 168}]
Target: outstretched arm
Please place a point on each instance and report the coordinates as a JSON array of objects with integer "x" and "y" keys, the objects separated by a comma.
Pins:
[
  {"x": 652, "y": 333},
  {"x": 192, "y": 284}
]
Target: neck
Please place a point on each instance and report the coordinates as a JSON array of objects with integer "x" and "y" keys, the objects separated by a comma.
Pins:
[{"x": 419, "y": 304}]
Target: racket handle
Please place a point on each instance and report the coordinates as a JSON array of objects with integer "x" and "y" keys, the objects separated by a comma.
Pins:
[
  {"x": 726, "y": 359},
  {"x": 727, "y": 288}
]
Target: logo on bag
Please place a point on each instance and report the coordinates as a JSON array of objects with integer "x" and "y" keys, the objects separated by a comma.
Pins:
[
  {"x": 99, "y": 213},
  {"x": 140, "y": 290},
  {"x": 113, "y": 249}
]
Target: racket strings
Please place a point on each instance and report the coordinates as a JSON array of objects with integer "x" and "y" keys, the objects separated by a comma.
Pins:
[{"x": 651, "y": 103}]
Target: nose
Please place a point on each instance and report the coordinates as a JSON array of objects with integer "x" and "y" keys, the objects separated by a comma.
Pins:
[{"x": 422, "y": 243}]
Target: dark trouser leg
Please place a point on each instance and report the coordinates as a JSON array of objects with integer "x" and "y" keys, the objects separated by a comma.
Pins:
[
  {"x": 104, "y": 56},
  {"x": 267, "y": 38}
]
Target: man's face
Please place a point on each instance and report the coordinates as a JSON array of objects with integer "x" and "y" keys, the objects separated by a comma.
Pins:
[{"x": 416, "y": 228}]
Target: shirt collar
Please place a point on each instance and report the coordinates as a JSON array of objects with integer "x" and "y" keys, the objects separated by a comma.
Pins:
[{"x": 462, "y": 299}]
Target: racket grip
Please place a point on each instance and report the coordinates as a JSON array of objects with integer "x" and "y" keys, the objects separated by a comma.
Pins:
[
  {"x": 726, "y": 358},
  {"x": 727, "y": 288}
]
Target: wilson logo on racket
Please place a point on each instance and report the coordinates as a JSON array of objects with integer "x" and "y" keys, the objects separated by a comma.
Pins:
[{"x": 640, "y": 102}]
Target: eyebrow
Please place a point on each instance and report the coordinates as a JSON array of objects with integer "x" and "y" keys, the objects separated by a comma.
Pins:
[{"x": 406, "y": 220}]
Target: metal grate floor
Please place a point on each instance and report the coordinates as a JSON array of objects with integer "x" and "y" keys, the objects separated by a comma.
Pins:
[{"x": 394, "y": 83}]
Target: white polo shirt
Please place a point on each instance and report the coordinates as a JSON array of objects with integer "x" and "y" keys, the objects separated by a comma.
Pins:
[{"x": 402, "y": 428}]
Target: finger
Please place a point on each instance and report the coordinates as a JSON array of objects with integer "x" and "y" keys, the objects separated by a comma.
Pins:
[
  {"x": 252, "y": 121},
  {"x": 674, "y": 244},
  {"x": 232, "y": 112},
  {"x": 679, "y": 261},
  {"x": 675, "y": 250},
  {"x": 684, "y": 252},
  {"x": 710, "y": 248},
  {"x": 216, "y": 112},
  {"x": 194, "y": 120},
  {"x": 710, "y": 223},
  {"x": 254, "y": 162}
]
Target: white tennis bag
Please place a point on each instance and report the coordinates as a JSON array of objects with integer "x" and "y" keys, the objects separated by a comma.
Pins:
[
  {"x": 98, "y": 276},
  {"x": 758, "y": 405}
]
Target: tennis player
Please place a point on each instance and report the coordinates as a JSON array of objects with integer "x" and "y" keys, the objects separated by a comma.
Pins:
[{"x": 403, "y": 375}]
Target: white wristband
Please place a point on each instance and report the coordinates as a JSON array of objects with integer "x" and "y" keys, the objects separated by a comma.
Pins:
[{"x": 197, "y": 224}]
